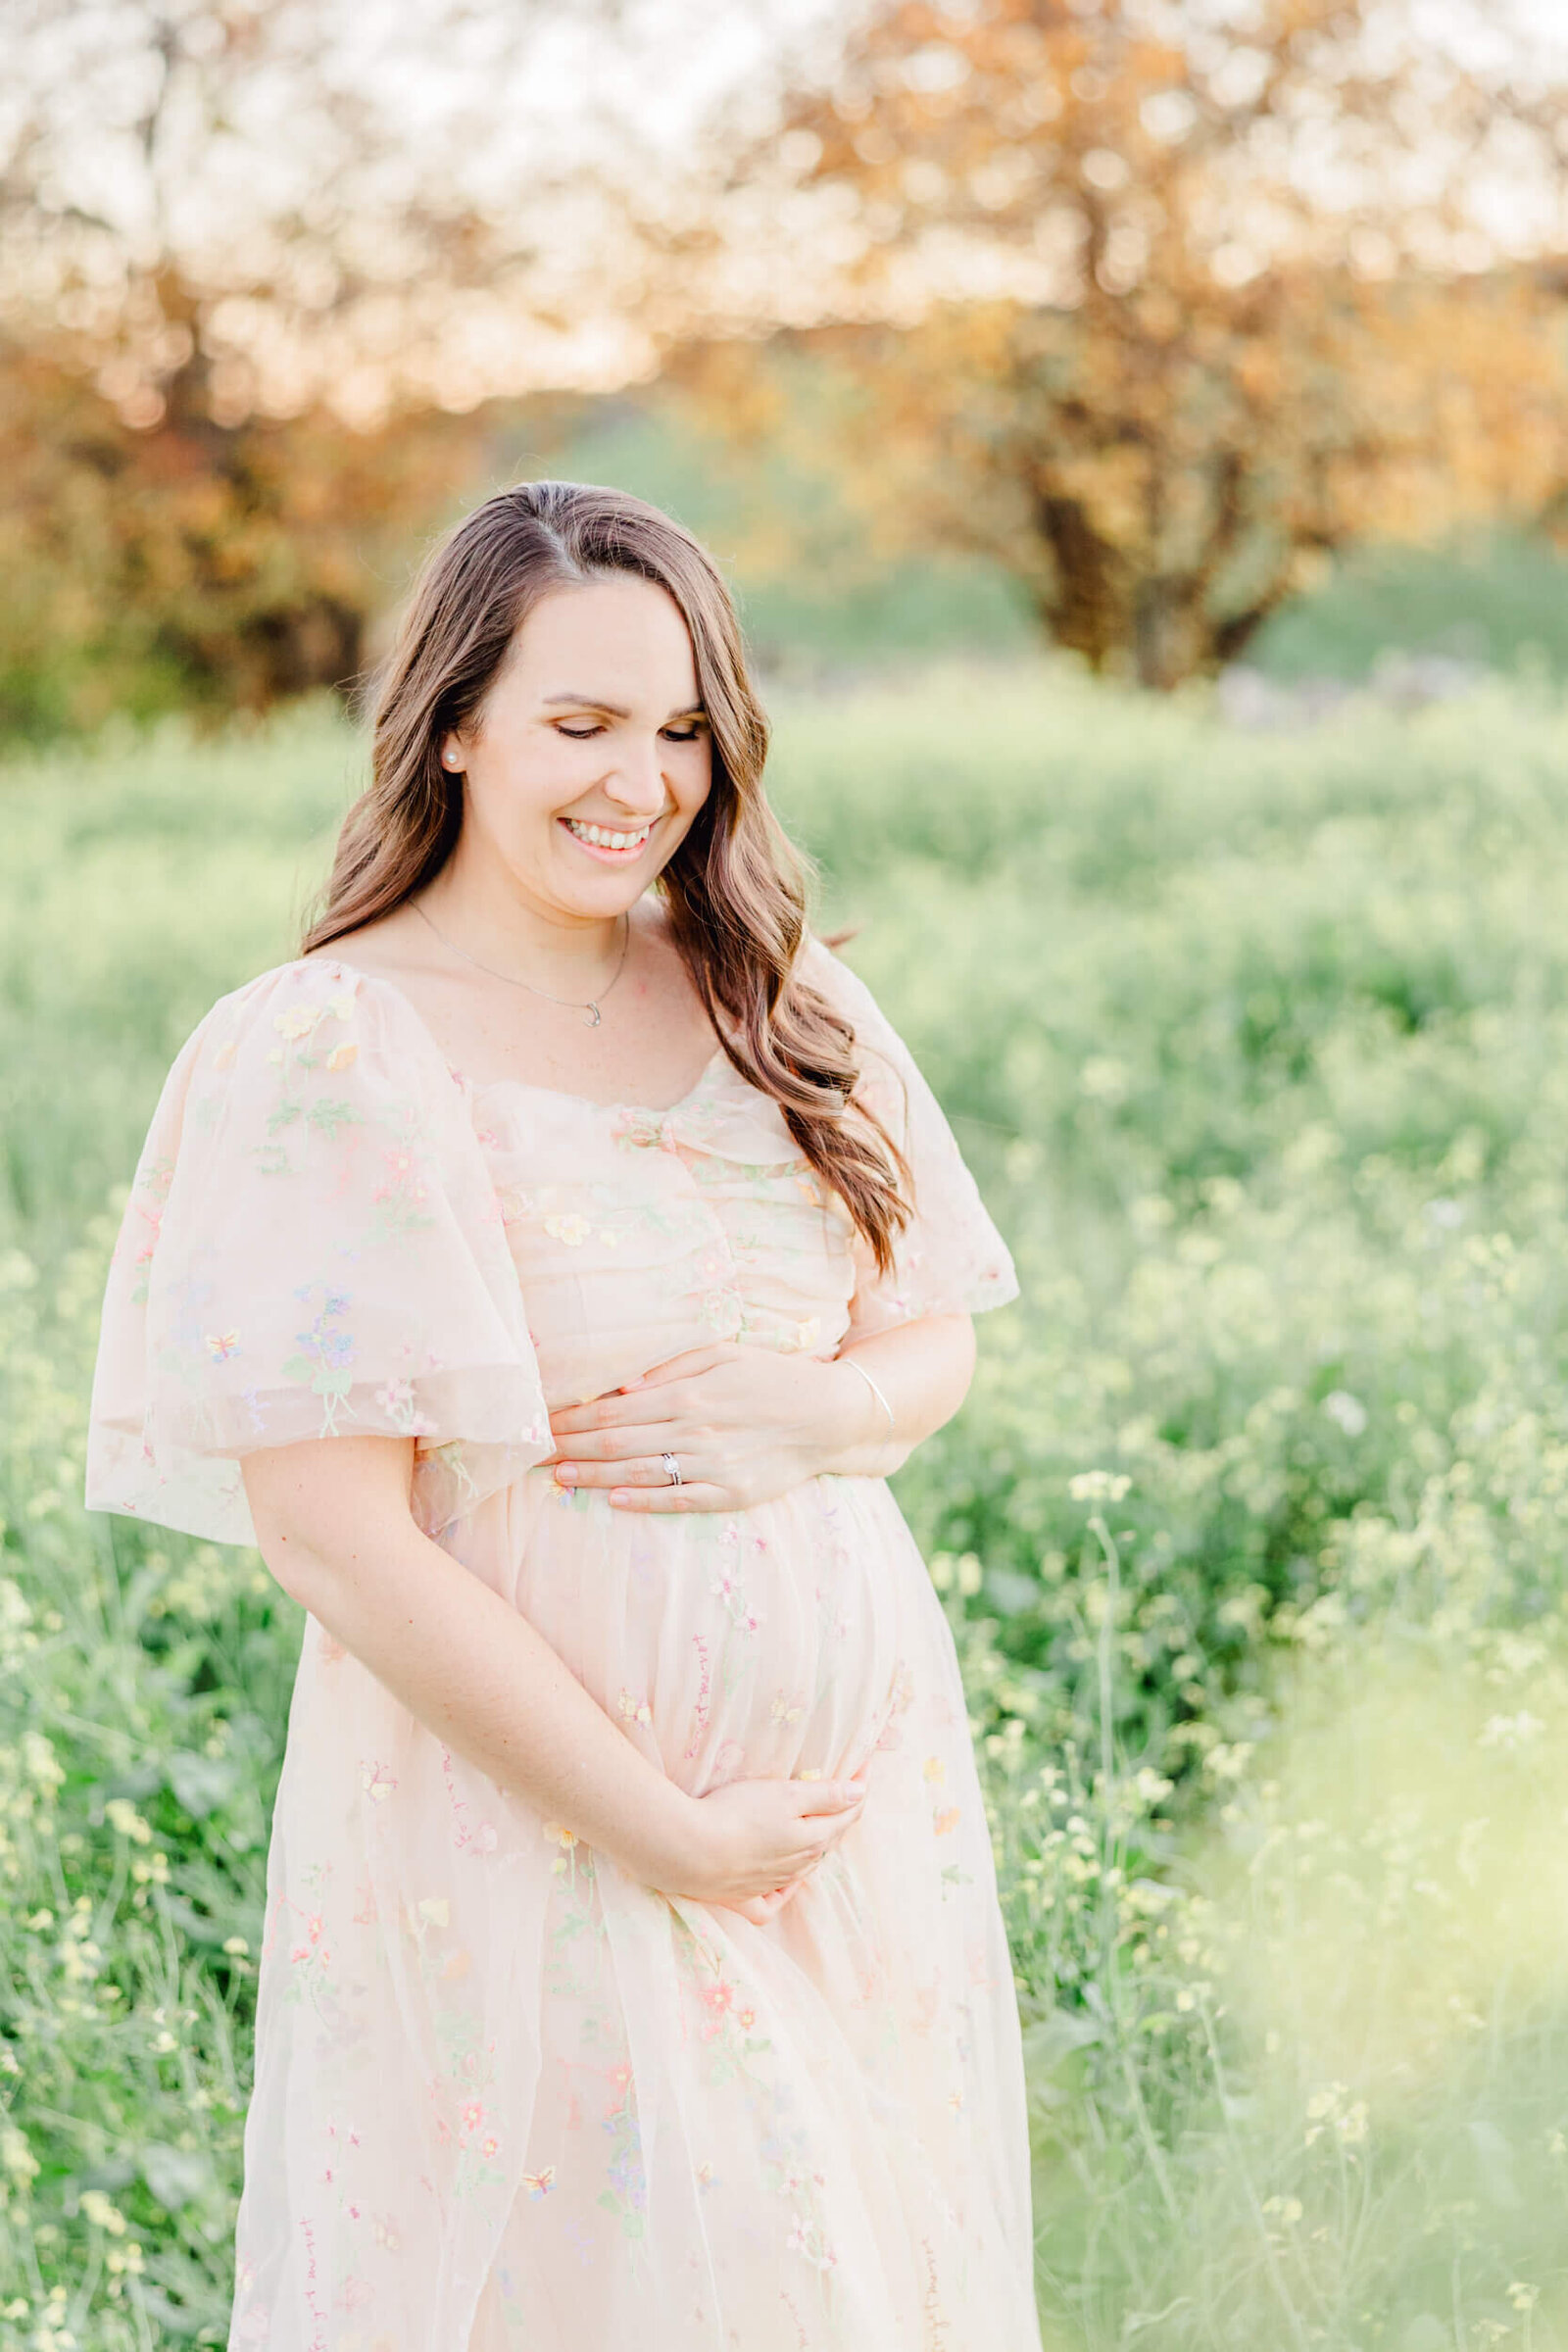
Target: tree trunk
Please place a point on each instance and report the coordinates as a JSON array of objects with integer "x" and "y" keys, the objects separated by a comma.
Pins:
[{"x": 1081, "y": 606}]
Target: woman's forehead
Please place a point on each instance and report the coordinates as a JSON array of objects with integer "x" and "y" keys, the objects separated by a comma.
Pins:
[{"x": 612, "y": 641}]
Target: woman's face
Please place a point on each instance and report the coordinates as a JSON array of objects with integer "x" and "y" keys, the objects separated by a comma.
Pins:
[{"x": 590, "y": 755}]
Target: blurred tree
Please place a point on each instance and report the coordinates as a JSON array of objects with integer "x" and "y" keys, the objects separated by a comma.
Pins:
[
  {"x": 190, "y": 564},
  {"x": 303, "y": 200},
  {"x": 242, "y": 251},
  {"x": 1159, "y": 303}
]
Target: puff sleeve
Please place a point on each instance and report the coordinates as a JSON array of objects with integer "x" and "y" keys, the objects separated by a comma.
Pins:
[
  {"x": 312, "y": 1248},
  {"x": 950, "y": 1258}
]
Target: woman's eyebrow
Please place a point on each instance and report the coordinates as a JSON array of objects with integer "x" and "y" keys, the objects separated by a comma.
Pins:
[
  {"x": 589, "y": 702},
  {"x": 594, "y": 702}
]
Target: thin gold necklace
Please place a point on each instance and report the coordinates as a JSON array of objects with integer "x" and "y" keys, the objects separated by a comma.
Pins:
[{"x": 590, "y": 1012}]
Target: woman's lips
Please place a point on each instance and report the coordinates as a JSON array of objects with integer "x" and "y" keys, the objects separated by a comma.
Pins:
[{"x": 611, "y": 845}]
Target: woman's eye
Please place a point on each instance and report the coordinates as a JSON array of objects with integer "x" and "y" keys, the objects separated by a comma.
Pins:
[
  {"x": 683, "y": 734},
  {"x": 579, "y": 734}
]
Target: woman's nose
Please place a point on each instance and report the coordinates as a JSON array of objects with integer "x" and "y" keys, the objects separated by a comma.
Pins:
[{"x": 637, "y": 780}]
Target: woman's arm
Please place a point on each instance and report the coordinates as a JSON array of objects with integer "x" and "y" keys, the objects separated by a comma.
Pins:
[
  {"x": 333, "y": 1523},
  {"x": 746, "y": 1424},
  {"x": 923, "y": 1369}
]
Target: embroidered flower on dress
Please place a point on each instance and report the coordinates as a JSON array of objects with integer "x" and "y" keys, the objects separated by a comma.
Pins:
[
  {"x": 572, "y": 1230},
  {"x": 396, "y": 1400},
  {"x": 297, "y": 1021}
]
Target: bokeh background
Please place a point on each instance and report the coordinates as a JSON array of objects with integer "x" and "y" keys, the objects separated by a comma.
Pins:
[{"x": 1137, "y": 431}]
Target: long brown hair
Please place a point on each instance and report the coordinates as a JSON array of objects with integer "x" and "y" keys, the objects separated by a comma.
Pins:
[{"x": 734, "y": 889}]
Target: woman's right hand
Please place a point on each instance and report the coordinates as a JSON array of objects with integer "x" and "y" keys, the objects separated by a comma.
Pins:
[{"x": 757, "y": 1840}]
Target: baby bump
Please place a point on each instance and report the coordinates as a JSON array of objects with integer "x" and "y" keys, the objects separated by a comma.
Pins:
[{"x": 727, "y": 1645}]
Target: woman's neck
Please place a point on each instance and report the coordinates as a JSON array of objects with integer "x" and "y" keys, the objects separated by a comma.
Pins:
[{"x": 487, "y": 916}]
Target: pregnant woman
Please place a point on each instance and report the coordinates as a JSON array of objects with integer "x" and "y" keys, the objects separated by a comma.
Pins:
[{"x": 545, "y": 1268}]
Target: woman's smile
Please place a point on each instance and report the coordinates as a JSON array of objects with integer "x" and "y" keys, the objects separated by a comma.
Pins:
[{"x": 610, "y": 844}]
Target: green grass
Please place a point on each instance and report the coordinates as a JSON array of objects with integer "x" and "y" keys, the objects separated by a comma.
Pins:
[
  {"x": 1493, "y": 597},
  {"x": 1254, "y": 1530}
]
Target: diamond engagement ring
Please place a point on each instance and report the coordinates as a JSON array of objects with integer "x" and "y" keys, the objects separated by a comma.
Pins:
[{"x": 671, "y": 1469}]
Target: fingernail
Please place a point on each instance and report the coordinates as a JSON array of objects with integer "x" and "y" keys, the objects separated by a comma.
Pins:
[{"x": 565, "y": 1474}]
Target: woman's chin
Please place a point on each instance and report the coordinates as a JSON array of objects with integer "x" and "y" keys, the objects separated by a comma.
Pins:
[{"x": 602, "y": 888}]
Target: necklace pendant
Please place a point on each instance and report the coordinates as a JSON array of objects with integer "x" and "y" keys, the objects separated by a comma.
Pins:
[{"x": 593, "y": 1016}]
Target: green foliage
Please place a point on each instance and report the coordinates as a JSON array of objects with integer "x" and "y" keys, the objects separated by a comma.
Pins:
[
  {"x": 143, "y": 1685},
  {"x": 1496, "y": 597},
  {"x": 1252, "y": 1533}
]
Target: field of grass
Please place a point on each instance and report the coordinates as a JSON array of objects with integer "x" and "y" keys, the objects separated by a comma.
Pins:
[{"x": 1254, "y": 1530}]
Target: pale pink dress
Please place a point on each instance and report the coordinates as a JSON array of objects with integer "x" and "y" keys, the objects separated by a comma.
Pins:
[{"x": 506, "y": 2096}]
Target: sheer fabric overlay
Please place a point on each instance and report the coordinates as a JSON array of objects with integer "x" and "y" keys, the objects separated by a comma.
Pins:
[{"x": 506, "y": 2096}]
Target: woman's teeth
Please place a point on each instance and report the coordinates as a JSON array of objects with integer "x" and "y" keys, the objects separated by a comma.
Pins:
[{"x": 601, "y": 837}]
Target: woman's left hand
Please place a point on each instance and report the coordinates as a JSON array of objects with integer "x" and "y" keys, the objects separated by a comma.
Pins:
[{"x": 744, "y": 1425}]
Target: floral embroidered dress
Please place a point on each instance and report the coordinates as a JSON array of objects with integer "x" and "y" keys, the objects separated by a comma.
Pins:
[{"x": 508, "y": 2099}]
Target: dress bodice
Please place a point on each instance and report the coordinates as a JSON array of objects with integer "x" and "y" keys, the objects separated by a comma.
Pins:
[
  {"x": 334, "y": 1232},
  {"x": 639, "y": 1234}
]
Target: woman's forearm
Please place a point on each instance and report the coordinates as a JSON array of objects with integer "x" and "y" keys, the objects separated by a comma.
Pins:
[
  {"x": 469, "y": 1666},
  {"x": 922, "y": 1369}
]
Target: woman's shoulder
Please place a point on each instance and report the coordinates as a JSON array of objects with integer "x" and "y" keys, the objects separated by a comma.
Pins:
[
  {"x": 306, "y": 1035},
  {"x": 341, "y": 981}
]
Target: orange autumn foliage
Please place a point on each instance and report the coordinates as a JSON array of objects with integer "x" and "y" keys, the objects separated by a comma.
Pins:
[
  {"x": 1151, "y": 312},
  {"x": 190, "y": 564}
]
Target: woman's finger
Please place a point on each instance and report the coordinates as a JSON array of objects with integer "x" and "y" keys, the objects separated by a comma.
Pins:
[
  {"x": 635, "y": 1466},
  {"x": 610, "y": 1415},
  {"x": 830, "y": 1796},
  {"x": 758, "y": 1908},
  {"x": 646, "y": 1437},
  {"x": 689, "y": 1496},
  {"x": 683, "y": 1367}
]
